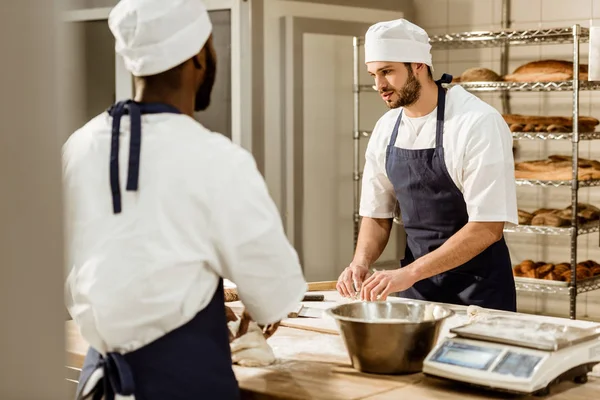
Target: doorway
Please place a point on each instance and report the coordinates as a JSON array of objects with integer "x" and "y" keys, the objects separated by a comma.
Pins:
[{"x": 318, "y": 144}]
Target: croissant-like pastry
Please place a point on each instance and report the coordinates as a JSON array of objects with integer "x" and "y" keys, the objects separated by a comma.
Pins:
[
  {"x": 551, "y": 276},
  {"x": 560, "y": 268},
  {"x": 525, "y": 217},
  {"x": 527, "y": 265},
  {"x": 545, "y": 269},
  {"x": 517, "y": 270},
  {"x": 583, "y": 273},
  {"x": 595, "y": 270},
  {"x": 532, "y": 273}
]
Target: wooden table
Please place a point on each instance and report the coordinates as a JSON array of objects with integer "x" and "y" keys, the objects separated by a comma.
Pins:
[{"x": 315, "y": 365}]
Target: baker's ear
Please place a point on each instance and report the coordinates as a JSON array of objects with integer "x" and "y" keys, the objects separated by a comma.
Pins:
[{"x": 196, "y": 61}]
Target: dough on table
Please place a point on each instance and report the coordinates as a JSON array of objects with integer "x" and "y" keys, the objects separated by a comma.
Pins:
[{"x": 251, "y": 349}]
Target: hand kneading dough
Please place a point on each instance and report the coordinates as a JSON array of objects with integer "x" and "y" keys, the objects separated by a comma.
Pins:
[{"x": 252, "y": 349}]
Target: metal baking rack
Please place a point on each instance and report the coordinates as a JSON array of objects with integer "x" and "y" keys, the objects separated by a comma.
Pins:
[
  {"x": 583, "y": 229},
  {"x": 574, "y": 35}
]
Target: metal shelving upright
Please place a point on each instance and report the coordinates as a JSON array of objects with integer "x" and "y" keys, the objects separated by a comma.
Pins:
[{"x": 505, "y": 38}]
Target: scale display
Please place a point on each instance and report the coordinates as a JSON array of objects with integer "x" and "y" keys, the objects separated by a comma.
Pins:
[
  {"x": 516, "y": 364},
  {"x": 466, "y": 355}
]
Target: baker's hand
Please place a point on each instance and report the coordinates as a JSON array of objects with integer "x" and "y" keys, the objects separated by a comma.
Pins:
[
  {"x": 379, "y": 285},
  {"x": 351, "y": 279}
]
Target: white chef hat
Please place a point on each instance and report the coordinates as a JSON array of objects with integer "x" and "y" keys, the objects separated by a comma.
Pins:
[
  {"x": 154, "y": 36},
  {"x": 397, "y": 41}
]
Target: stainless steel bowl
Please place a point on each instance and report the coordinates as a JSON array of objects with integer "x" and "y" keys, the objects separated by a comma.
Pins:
[{"x": 389, "y": 337}]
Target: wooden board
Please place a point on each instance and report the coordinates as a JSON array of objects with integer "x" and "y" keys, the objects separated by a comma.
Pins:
[{"x": 319, "y": 286}]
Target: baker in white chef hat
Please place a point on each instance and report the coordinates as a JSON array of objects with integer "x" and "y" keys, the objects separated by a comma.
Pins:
[
  {"x": 443, "y": 157},
  {"x": 155, "y": 227}
]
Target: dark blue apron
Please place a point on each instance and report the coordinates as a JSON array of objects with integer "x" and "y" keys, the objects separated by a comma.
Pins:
[
  {"x": 190, "y": 362},
  {"x": 433, "y": 209}
]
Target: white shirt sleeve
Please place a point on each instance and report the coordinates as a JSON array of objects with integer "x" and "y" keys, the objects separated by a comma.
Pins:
[
  {"x": 488, "y": 172},
  {"x": 378, "y": 199},
  {"x": 255, "y": 251}
]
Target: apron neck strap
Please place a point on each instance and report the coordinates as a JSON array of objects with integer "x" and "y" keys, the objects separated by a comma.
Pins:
[
  {"x": 135, "y": 111},
  {"x": 441, "y": 109}
]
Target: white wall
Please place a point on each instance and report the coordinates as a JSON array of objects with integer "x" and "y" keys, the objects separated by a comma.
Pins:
[
  {"x": 328, "y": 197},
  {"x": 470, "y": 15}
]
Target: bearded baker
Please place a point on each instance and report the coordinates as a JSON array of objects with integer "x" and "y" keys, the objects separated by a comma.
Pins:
[
  {"x": 159, "y": 211},
  {"x": 445, "y": 158}
]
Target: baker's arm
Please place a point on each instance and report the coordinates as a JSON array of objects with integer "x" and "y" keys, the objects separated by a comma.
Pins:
[
  {"x": 377, "y": 204},
  {"x": 254, "y": 251},
  {"x": 373, "y": 237}
]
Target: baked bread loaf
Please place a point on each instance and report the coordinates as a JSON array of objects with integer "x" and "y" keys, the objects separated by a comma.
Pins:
[
  {"x": 525, "y": 217},
  {"x": 550, "y": 219},
  {"x": 546, "y": 71},
  {"x": 556, "y": 272},
  {"x": 557, "y": 168},
  {"x": 479, "y": 75},
  {"x": 559, "y": 218},
  {"x": 530, "y": 123}
]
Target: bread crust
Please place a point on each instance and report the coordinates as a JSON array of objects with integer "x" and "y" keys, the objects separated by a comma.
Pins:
[{"x": 546, "y": 71}]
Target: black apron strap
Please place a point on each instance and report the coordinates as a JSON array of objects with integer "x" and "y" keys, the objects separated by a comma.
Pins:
[
  {"x": 441, "y": 109},
  {"x": 135, "y": 110},
  {"x": 116, "y": 379}
]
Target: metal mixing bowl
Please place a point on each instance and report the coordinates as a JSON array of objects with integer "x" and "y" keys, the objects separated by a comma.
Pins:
[{"x": 389, "y": 337}]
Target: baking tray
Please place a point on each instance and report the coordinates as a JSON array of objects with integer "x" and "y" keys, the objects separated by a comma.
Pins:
[{"x": 526, "y": 333}]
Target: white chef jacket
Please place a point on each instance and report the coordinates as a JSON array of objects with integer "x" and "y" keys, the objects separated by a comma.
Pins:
[
  {"x": 477, "y": 151},
  {"x": 202, "y": 212}
]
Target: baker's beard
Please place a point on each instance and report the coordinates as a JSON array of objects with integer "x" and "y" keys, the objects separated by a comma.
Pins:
[
  {"x": 408, "y": 95},
  {"x": 202, "y": 100}
]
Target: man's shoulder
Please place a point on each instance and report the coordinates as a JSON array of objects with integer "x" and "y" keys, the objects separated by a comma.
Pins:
[{"x": 384, "y": 126}]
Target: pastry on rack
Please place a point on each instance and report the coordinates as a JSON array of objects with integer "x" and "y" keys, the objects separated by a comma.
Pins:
[
  {"x": 559, "y": 218},
  {"x": 546, "y": 71},
  {"x": 557, "y": 167},
  {"x": 525, "y": 217},
  {"x": 556, "y": 272},
  {"x": 479, "y": 75},
  {"x": 553, "y": 124}
]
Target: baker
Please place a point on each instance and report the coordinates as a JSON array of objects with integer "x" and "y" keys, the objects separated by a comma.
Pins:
[
  {"x": 159, "y": 211},
  {"x": 445, "y": 158}
]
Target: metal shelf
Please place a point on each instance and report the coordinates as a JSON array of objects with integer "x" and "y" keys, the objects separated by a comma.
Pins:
[
  {"x": 482, "y": 39},
  {"x": 554, "y": 135},
  {"x": 556, "y": 287},
  {"x": 501, "y": 86},
  {"x": 534, "y": 182},
  {"x": 364, "y": 88},
  {"x": 584, "y": 229},
  {"x": 560, "y": 86}
]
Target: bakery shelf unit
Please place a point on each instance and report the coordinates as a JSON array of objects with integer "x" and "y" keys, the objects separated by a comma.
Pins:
[{"x": 574, "y": 35}]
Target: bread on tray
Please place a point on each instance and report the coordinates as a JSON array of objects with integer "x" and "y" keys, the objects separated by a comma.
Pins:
[
  {"x": 546, "y": 71},
  {"x": 586, "y": 213},
  {"x": 556, "y": 272},
  {"x": 557, "y": 167},
  {"x": 530, "y": 123}
]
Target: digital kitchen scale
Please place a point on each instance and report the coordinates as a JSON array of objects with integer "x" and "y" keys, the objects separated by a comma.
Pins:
[{"x": 520, "y": 356}]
